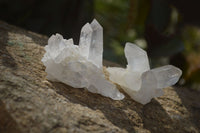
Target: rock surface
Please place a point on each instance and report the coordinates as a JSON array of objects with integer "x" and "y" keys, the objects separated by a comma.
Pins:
[{"x": 30, "y": 103}]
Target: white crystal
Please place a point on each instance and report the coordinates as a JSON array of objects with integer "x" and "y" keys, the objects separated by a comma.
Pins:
[
  {"x": 80, "y": 66},
  {"x": 96, "y": 48},
  {"x": 136, "y": 57},
  {"x": 85, "y": 39},
  {"x": 140, "y": 83}
]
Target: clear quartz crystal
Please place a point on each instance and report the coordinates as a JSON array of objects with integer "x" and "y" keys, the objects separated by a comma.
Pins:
[
  {"x": 85, "y": 39},
  {"x": 137, "y": 58},
  {"x": 80, "y": 66},
  {"x": 96, "y": 48},
  {"x": 138, "y": 81}
]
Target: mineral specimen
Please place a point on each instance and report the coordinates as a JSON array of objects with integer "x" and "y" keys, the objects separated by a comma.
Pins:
[
  {"x": 137, "y": 80},
  {"x": 80, "y": 66}
]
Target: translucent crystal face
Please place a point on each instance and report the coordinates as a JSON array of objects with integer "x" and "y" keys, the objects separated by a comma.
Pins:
[
  {"x": 80, "y": 66},
  {"x": 137, "y": 80},
  {"x": 91, "y": 42},
  {"x": 85, "y": 39},
  {"x": 136, "y": 57},
  {"x": 96, "y": 48}
]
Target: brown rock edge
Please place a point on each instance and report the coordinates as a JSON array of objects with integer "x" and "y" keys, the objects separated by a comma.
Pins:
[{"x": 30, "y": 103}]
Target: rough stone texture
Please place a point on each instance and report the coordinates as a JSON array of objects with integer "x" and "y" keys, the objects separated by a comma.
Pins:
[{"x": 30, "y": 103}]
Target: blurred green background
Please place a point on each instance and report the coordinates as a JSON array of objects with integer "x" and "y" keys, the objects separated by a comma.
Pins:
[{"x": 167, "y": 29}]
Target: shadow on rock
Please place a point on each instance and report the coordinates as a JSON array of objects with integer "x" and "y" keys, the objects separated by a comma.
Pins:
[
  {"x": 113, "y": 110},
  {"x": 191, "y": 101},
  {"x": 125, "y": 114},
  {"x": 156, "y": 119}
]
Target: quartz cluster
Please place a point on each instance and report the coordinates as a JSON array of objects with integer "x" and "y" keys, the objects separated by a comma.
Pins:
[
  {"x": 80, "y": 66},
  {"x": 138, "y": 81}
]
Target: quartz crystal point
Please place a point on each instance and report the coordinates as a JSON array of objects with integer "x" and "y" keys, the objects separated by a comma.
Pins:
[
  {"x": 136, "y": 57},
  {"x": 96, "y": 47},
  {"x": 138, "y": 81},
  {"x": 85, "y": 39},
  {"x": 80, "y": 66}
]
